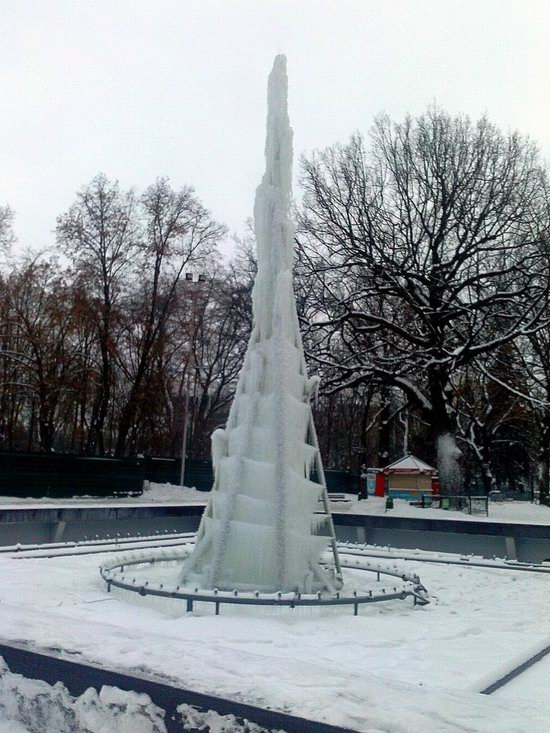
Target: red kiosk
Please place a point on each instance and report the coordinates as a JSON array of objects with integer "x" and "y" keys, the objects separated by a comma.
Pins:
[{"x": 409, "y": 478}]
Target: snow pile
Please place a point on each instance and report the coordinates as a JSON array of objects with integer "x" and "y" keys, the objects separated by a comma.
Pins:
[
  {"x": 260, "y": 530},
  {"x": 172, "y": 493},
  {"x": 34, "y": 706},
  {"x": 12, "y": 726},
  {"x": 212, "y": 722}
]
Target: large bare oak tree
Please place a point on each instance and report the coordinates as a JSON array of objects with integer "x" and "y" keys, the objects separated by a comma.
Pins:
[{"x": 423, "y": 254}]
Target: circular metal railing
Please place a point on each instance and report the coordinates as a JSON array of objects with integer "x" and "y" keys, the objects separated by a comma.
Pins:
[{"x": 115, "y": 574}]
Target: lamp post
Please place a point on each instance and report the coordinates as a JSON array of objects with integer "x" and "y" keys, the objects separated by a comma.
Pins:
[
  {"x": 201, "y": 279},
  {"x": 196, "y": 371},
  {"x": 184, "y": 437}
]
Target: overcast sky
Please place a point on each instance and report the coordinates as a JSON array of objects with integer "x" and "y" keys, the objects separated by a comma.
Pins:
[{"x": 144, "y": 88}]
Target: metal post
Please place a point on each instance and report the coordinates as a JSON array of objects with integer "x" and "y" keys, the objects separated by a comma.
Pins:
[{"x": 184, "y": 438}]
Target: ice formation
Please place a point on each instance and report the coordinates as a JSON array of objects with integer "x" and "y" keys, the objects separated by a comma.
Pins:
[
  {"x": 448, "y": 464},
  {"x": 262, "y": 529}
]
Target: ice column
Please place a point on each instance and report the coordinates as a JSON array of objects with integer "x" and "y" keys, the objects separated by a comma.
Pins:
[{"x": 268, "y": 518}]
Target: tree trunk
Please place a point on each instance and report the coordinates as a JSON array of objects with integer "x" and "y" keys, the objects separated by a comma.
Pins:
[
  {"x": 31, "y": 428},
  {"x": 130, "y": 409},
  {"x": 328, "y": 434},
  {"x": 544, "y": 483},
  {"x": 384, "y": 433},
  {"x": 95, "y": 443},
  {"x": 45, "y": 430},
  {"x": 124, "y": 425}
]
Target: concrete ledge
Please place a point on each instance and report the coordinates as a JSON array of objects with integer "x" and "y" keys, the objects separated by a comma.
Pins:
[
  {"x": 103, "y": 512},
  {"x": 73, "y": 513},
  {"x": 459, "y": 526},
  {"x": 73, "y": 522}
]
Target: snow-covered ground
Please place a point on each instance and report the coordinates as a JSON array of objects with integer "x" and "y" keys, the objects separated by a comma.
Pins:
[
  {"x": 152, "y": 494},
  {"x": 394, "y": 668},
  {"x": 532, "y": 685},
  {"x": 509, "y": 511},
  {"x": 8, "y": 725}
]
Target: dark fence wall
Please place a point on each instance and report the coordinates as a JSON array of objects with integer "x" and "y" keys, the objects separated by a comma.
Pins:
[
  {"x": 198, "y": 473},
  {"x": 342, "y": 481},
  {"x": 61, "y": 475}
]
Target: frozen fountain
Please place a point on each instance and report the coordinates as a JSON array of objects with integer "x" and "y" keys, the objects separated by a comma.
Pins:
[
  {"x": 266, "y": 536},
  {"x": 268, "y": 519}
]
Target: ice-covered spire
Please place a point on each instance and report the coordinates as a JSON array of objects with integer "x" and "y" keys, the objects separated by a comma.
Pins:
[
  {"x": 267, "y": 521},
  {"x": 278, "y": 147},
  {"x": 272, "y": 224}
]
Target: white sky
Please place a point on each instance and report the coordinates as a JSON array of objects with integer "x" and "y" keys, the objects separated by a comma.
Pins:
[{"x": 144, "y": 88}]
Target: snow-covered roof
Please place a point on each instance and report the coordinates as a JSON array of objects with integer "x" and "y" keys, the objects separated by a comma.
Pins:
[{"x": 410, "y": 463}]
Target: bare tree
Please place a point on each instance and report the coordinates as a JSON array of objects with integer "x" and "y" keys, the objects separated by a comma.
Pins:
[
  {"x": 100, "y": 235},
  {"x": 42, "y": 357},
  {"x": 424, "y": 254},
  {"x": 536, "y": 361},
  {"x": 218, "y": 346},
  {"x": 494, "y": 405},
  {"x": 178, "y": 234}
]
